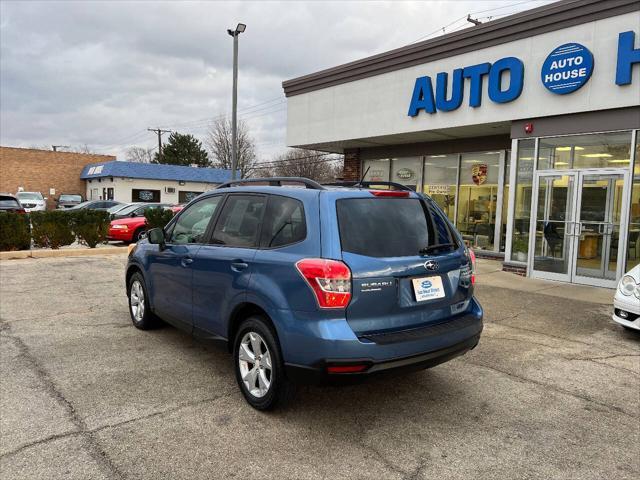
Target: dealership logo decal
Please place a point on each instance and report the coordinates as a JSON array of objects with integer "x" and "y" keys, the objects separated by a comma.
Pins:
[
  {"x": 567, "y": 68},
  {"x": 405, "y": 174},
  {"x": 479, "y": 173}
]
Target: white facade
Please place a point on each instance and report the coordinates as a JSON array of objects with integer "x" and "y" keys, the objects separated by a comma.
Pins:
[
  {"x": 169, "y": 190},
  {"x": 374, "y": 110}
]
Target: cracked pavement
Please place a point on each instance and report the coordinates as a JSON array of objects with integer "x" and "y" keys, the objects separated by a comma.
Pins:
[{"x": 552, "y": 391}]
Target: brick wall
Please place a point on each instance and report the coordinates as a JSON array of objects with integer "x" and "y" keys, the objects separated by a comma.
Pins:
[
  {"x": 41, "y": 170},
  {"x": 351, "y": 170}
]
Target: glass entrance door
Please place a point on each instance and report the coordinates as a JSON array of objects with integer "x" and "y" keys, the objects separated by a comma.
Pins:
[
  {"x": 554, "y": 206},
  {"x": 579, "y": 231},
  {"x": 597, "y": 232}
]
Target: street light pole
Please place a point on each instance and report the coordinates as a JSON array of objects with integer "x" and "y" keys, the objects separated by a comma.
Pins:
[{"x": 234, "y": 107}]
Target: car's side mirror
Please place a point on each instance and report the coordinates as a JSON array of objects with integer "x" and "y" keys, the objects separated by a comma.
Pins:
[
  {"x": 46, "y": 198},
  {"x": 156, "y": 237},
  {"x": 133, "y": 214}
]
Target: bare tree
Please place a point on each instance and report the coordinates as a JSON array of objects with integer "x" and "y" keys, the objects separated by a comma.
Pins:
[
  {"x": 82, "y": 149},
  {"x": 219, "y": 143},
  {"x": 295, "y": 162},
  {"x": 140, "y": 154}
]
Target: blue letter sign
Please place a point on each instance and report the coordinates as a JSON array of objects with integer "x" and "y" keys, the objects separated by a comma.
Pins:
[
  {"x": 627, "y": 56},
  {"x": 515, "y": 67},
  {"x": 422, "y": 98},
  {"x": 567, "y": 68}
]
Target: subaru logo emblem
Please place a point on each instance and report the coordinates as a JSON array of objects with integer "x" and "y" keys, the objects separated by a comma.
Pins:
[{"x": 431, "y": 265}]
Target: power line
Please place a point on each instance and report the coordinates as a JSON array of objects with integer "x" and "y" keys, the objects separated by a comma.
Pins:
[{"x": 475, "y": 13}]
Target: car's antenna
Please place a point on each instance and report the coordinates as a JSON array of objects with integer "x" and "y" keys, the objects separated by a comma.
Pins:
[{"x": 359, "y": 184}]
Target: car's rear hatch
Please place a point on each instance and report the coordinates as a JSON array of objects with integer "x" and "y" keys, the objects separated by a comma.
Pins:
[{"x": 405, "y": 261}]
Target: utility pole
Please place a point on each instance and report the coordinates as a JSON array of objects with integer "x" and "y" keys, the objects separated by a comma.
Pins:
[
  {"x": 56, "y": 147},
  {"x": 473, "y": 20},
  {"x": 234, "y": 106},
  {"x": 159, "y": 132}
]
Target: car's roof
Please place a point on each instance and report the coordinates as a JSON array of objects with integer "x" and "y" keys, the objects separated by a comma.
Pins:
[{"x": 301, "y": 192}]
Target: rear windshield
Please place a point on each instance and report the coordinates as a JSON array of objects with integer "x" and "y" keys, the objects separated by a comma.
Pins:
[
  {"x": 70, "y": 198},
  {"x": 9, "y": 202},
  {"x": 390, "y": 227}
]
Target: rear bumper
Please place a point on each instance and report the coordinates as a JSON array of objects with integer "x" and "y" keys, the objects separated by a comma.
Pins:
[
  {"x": 309, "y": 346},
  {"x": 318, "y": 374}
]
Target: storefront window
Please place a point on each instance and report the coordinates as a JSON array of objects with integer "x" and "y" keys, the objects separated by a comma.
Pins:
[
  {"x": 633, "y": 245},
  {"x": 440, "y": 182},
  {"x": 505, "y": 200},
  {"x": 407, "y": 171},
  {"x": 478, "y": 197},
  {"x": 600, "y": 150},
  {"x": 522, "y": 204},
  {"x": 376, "y": 170}
]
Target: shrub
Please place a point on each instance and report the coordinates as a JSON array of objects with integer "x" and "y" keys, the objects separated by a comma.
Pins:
[
  {"x": 52, "y": 229},
  {"x": 14, "y": 231},
  {"x": 157, "y": 217},
  {"x": 90, "y": 226}
]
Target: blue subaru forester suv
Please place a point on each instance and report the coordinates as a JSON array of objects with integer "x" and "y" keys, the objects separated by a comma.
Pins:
[{"x": 311, "y": 284}]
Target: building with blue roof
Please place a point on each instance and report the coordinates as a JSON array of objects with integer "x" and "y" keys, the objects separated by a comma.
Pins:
[{"x": 149, "y": 182}]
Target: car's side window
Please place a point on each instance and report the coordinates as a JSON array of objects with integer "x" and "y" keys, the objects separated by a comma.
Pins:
[
  {"x": 284, "y": 223},
  {"x": 239, "y": 222},
  {"x": 192, "y": 224}
]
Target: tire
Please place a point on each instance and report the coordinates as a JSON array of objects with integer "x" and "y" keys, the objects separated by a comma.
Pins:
[
  {"x": 137, "y": 235},
  {"x": 269, "y": 386},
  {"x": 139, "y": 309}
]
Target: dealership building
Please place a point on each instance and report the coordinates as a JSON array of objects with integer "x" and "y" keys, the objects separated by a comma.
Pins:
[
  {"x": 525, "y": 130},
  {"x": 149, "y": 182}
]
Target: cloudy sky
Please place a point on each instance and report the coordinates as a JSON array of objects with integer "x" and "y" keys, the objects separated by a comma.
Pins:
[{"x": 100, "y": 73}]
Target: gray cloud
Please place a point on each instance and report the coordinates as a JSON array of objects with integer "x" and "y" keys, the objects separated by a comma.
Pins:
[{"x": 100, "y": 73}]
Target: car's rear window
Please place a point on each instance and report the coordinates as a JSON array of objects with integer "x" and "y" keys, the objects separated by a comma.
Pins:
[
  {"x": 389, "y": 227},
  {"x": 9, "y": 202},
  {"x": 70, "y": 198}
]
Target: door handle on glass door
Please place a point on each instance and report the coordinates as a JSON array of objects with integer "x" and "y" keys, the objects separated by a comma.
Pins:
[{"x": 238, "y": 265}]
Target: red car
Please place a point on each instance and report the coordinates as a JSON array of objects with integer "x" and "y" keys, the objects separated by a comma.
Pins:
[
  {"x": 130, "y": 229},
  {"x": 127, "y": 229}
]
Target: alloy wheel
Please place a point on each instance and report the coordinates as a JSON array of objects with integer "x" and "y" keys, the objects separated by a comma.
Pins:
[
  {"x": 136, "y": 300},
  {"x": 254, "y": 360}
]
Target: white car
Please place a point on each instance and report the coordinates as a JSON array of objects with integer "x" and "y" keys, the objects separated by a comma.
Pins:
[
  {"x": 32, "y": 201},
  {"x": 626, "y": 303}
]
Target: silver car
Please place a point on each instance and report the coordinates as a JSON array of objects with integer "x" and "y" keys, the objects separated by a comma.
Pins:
[
  {"x": 626, "y": 303},
  {"x": 32, "y": 201}
]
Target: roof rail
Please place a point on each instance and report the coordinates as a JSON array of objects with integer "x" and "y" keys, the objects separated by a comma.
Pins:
[
  {"x": 275, "y": 182},
  {"x": 369, "y": 184}
]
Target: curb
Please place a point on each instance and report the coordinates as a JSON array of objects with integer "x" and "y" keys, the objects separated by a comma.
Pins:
[{"x": 69, "y": 252}]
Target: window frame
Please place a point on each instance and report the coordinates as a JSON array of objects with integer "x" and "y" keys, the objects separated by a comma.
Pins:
[
  {"x": 261, "y": 242},
  {"x": 212, "y": 226},
  {"x": 168, "y": 229}
]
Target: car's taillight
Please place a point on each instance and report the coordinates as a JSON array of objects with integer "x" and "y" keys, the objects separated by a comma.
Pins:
[
  {"x": 472, "y": 256},
  {"x": 330, "y": 281},
  {"x": 389, "y": 193}
]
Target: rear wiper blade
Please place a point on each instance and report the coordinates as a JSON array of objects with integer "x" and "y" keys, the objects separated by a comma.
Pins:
[{"x": 436, "y": 247}]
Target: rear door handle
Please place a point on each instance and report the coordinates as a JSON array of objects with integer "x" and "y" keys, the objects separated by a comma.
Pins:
[
  {"x": 186, "y": 261},
  {"x": 238, "y": 265}
]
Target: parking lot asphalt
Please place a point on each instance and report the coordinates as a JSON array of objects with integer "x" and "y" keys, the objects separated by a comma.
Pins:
[{"x": 552, "y": 391}]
